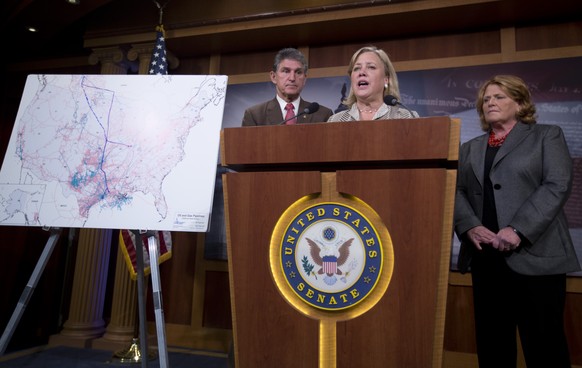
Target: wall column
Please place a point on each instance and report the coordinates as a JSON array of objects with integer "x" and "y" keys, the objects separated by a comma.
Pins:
[
  {"x": 112, "y": 59},
  {"x": 121, "y": 328},
  {"x": 85, "y": 321}
]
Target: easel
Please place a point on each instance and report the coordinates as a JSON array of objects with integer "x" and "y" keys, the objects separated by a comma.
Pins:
[
  {"x": 153, "y": 249},
  {"x": 199, "y": 201}
]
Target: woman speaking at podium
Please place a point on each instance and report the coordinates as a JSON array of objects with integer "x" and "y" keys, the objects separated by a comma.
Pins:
[{"x": 374, "y": 92}]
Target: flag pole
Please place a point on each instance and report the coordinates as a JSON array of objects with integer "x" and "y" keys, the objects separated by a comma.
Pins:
[
  {"x": 133, "y": 353},
  {"x": 141, "y": 289}
]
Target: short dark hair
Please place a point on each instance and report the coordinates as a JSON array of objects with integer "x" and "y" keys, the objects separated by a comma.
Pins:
[{"x": 290, "y": 54}]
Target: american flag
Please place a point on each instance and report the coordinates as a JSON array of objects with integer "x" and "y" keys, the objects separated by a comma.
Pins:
[
  {"x": 129, "y": 245},
  {"x": 159, "y": 63}
]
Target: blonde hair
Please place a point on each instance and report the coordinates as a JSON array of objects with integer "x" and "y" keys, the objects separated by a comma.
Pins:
[
  {"x": 517, "y": 90},
  {"x": 389, "y": 71}
]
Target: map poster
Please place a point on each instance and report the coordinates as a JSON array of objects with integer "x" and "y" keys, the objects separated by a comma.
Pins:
[{"x": 134, "y": 152}]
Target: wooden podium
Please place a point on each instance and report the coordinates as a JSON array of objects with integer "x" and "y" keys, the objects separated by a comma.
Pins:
[{"x": 406, "y": 171}]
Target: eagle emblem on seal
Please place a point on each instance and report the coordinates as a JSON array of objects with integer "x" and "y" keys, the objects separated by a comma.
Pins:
[{"x": 329, "y": 264}]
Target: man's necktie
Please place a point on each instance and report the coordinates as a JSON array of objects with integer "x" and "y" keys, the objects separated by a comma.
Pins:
[{"x": 290, "y": 114}]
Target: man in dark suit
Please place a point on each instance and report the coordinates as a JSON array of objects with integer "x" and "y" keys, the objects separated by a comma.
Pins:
[{"x": 289, "y": 75}]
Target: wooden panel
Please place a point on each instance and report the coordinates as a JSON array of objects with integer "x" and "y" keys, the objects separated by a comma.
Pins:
[
  {"x": 332, "y": 55},
  {"x": 460, "y": 327},
  {"x": 268, "y": 332},
  {"x": 405, "y": 329},
  {"x": 441, "y": 46},
  {"x": 399, "y": 331},
  {"x": 414, "y": 48},
  {"x": 201, "y": 28},
  {"x": 548, "y": 36},
  {"x": 199, "y": 66},
  {"x": 329, "y": 143},
  {"x": 573, "y": 322},
  {"x": 256, "y": 62}
]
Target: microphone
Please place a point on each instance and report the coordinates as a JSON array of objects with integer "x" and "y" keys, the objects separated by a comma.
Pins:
[
  {"x": 310, "y": 109},
  {"x": 393, "y": 101}
]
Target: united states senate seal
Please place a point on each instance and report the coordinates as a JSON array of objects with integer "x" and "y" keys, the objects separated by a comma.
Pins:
[{"x": 331, "y": 256}]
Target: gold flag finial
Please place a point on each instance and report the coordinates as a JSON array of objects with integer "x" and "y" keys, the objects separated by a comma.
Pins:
[{"x": 161, "y": 7}]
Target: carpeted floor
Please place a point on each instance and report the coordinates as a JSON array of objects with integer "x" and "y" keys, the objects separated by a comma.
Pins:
[{"x": 66, "y": 357}]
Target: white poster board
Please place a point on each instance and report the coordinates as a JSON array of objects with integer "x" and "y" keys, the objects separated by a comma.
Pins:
[{"x": 114, "y": 151}]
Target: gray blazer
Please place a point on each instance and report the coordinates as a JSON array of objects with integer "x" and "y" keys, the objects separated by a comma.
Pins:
[
  {"x": 270, "y": 113},
  {"x": 532, "y": 179}
]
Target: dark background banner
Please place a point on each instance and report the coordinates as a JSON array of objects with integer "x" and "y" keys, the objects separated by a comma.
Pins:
[{"x": 556, "y": 87}]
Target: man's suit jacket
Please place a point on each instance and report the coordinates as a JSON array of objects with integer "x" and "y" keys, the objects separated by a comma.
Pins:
[
  {"x": 269, "y": 113},
  {"x": 532, "y": 179}
]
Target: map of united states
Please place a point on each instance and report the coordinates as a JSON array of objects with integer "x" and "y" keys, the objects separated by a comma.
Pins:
[{"x": 136, "y": 152}]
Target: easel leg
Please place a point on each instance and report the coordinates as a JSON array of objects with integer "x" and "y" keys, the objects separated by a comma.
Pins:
[
  {"x": 29, "y": 289},
  {"x": 143, "y": 335},
  {"x": 157, "y": 296}
]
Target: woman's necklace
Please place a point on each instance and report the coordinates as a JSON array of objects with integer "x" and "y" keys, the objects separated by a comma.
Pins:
[
  {"x": 368, "y": 110},
  {"x": 494, "y": 141}
]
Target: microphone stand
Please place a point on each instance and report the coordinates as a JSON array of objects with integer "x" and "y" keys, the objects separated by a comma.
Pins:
[
  {"x": 291, "y": 118},
  {"x": 407, "y": 109},
  {"x": 313, "y": 107},
  {"x": 393, "y": 101}
]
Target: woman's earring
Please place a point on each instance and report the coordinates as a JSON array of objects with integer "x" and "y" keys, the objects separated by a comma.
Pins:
[{"x": 385, "y": 85}]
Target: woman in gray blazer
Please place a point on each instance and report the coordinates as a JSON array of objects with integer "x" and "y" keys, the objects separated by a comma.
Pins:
[{"x": 512, "y": 185}]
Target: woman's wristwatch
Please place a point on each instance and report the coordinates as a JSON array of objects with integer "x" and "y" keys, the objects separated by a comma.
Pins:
[{"x": 517, "y": 232}]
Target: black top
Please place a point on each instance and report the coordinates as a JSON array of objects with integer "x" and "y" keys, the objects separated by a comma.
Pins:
[{"x": 489, "y": 219}]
